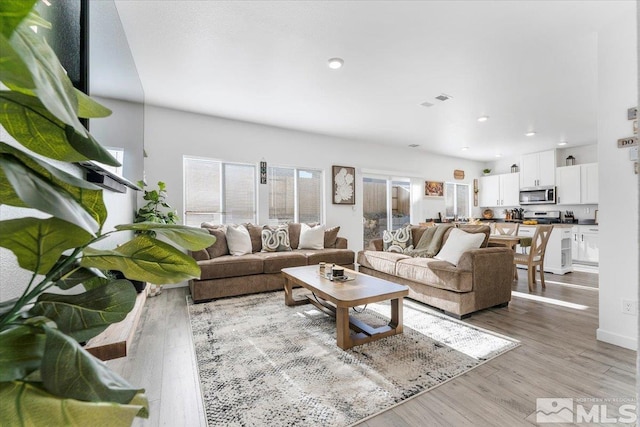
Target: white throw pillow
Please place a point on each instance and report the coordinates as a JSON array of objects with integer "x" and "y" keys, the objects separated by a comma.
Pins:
[
  {"x": 311, "y": 237},
  {"x": 238, "y": 240},
  {"x": 458, "y": 243}
]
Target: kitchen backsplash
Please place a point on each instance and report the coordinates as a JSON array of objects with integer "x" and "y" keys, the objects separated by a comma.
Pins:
[{"x": 579, "y": 211}]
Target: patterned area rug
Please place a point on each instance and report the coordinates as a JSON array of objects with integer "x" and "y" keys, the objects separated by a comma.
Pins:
[{"x": 262, "y": 363}]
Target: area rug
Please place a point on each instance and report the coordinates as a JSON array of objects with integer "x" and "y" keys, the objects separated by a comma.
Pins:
[{"x": 262, "y": 363}]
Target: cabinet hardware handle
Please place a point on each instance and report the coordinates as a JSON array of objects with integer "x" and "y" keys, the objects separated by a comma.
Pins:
[{"x": 582, "y": 237}]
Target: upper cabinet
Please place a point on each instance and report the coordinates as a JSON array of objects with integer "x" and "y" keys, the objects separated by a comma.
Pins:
[
  {"x": 538, "y": 169},
  {"x": 577, "y": 184},
  {"x": 500, "y": 190},
  {"x": 589, "y": 183},
  {"x": 568, "y": 185}
]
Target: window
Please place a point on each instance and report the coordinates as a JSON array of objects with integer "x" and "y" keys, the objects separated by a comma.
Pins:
[
  {"x": 218, "y": 192},
  {"x": 295, "y": 195},
  {"x": 457, "y": 200}
]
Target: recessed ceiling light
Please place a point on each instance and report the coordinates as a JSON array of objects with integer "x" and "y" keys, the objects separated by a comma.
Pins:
[
  {"x": 335, "y": 63},
  {"x": 464, "y": 148},
  {"x": 498, "y": 155},
  {"x": 427, "y": 104},
  {"x": 562, "y": 143},
  {"x": 483, "y": 118},
  {"x": 530, "y": 133}
]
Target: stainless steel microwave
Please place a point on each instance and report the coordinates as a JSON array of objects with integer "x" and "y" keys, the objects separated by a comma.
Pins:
[{"x": 538, "y": 196}]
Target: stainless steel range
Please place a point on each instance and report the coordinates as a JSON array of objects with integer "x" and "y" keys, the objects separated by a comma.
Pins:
[{"x": 543, "y": 217}]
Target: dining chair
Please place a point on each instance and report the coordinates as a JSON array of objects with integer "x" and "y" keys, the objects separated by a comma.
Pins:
[
  {"x": 507, "y": 228},
  {"x": 535, "y": 257}
]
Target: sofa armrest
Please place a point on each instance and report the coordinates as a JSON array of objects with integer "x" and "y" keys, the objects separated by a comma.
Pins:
[
  {"x": 201, "y": 255},
  {"x": 375, "y": 245},
  {"x": 496, "y": 256},
  {"x": 341, "y": 243}
]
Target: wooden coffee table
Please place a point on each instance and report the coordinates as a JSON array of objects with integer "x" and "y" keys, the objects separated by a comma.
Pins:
[{"x": 335, "y": 298}]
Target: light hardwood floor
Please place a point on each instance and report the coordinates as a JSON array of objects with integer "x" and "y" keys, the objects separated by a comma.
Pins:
[{"x": 559, "y": 357}]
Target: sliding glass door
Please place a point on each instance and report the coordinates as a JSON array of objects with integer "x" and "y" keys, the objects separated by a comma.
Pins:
[{"x": 387, "y": 205}]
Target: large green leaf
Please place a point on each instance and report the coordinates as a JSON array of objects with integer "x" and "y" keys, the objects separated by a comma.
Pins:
[
  {"x": 12, "y": 12},
  {"x": 83, "y": 192},
  {"x": 12, "y": 70},
  {"x": 187, "y": 237},
  {"x": 24, "y": 404},
  {"x": 145, "y": 259},
  {"x": 53, "y": 87},
  {"x": 40, "y": 194},
  {"x": 83, "y": 316},
  {"x": 68, "y": 370},
  {"x": 89, "y": 108},
  {"x": 30, "y": 123},
  {"x": 21, "y": 352},
  {"x": 74, "y": 275},
  {"x": 39, "y": 243}
]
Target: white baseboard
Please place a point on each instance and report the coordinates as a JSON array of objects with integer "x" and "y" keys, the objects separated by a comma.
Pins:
[{"x": 616, "y": 339}]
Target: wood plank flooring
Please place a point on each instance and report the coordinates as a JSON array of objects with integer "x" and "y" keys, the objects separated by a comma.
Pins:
[{"x": 559, "y": 357}]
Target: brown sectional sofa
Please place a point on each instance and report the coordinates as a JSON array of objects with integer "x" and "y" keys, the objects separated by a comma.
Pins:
[
  {"x": 224, "y": 275},
  {"x": 482, "y": 278}
]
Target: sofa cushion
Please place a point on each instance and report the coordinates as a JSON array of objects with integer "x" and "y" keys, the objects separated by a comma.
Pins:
[
  {"x": 276, "y": 261},
  {"x": 311, "y": 237},
  {"x": 421, "y": 249},
  {"x": 230, "y": 266},
  {"x": 397, "y": 241},
  {"x": 238, "y": 240},
  {"x": 275, "y": 239},
  {"x": 435, "y": 273},
  {"x": 255, "y": 232},
  {"x": 330, "y": 236},
  {"x": 333, "y": 256},
  {"x": 457, "y": 243},
  {"x": 478, "y": 228},
  {"x": 380, "y": 260},
  {"x": 220, "y": 246}
]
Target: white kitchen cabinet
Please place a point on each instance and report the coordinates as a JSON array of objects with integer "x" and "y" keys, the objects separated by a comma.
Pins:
[
  {"x": 589, "y": 183},
  {"x": 538, "y": 169},
  {"x": 500, "y": 190},
  {"x": 585, "y": 244},
  {"x": 558, "y": 255},
  {"x": 568, "y": 185}
]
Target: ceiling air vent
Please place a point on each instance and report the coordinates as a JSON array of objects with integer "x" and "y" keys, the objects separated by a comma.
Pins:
[
  {"x": 427, "y": 104},
  {"x": 443, "y": 97},
  {"x": 414, "y": 145}
]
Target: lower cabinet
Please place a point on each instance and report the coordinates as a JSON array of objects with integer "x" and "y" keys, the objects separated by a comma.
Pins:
[{"x": 585, "y": 244}]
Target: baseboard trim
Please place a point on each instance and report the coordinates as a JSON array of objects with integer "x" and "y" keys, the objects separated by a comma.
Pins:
[{"x": 617, "y": 339}]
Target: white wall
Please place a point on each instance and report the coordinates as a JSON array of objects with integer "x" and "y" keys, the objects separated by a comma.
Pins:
[
  {"x": 170, "y": 134},
  {"x": 618, "y": 215}
]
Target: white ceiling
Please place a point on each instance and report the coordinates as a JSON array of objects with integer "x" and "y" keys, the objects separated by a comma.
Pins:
[{"x": 529, "y": 65}]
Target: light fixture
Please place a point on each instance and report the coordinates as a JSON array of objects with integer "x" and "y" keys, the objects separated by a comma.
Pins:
[
  {"x": 530, "y": 133},
  {"x": 483, "y": 118},
  {"x": 335, "y": 63},
  {"x": 464, "y": 148},
  {"x": 498, "y": 155},
  {"x": 562, "y": 143},
  {"x": 414, "y": 145},
  {"x": 443, "y": 97}
]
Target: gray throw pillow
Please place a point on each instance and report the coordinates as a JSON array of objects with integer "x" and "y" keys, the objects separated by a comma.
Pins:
[{"x": 436, "y": 241}]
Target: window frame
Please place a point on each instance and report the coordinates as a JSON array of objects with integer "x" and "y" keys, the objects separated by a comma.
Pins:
[
  {"x": 455, "y": 199},
  {"x": 296, "y": 199}
]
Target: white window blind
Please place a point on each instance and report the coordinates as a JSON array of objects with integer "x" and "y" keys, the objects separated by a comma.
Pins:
[
  {"x": 457, "y": 200},
  {"x": 218, "y": 192}
]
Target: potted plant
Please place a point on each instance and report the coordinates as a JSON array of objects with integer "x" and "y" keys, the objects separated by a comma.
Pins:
[
  {"x": 158, "y": 211},
  {"x": 486, "y": 171},
  {"x": 46, "y": 376}
]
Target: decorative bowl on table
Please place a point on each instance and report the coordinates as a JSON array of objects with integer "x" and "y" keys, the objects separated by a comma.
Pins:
[{"x": 487, "y": 214}]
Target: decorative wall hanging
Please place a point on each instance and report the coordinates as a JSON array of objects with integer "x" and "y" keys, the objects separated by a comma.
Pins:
[
  {"x": 458, "y": 174},
  {"x": 263, "y": 172},
  {"x": 434, "y": 188},
  {"x": 343, "y": 179},
  {"x": 475, "y": 192}
]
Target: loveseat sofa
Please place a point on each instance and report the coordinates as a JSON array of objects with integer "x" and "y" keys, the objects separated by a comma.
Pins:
[
  {"x": 480, "y": 279},
  {"x": 225, "y": 275}
]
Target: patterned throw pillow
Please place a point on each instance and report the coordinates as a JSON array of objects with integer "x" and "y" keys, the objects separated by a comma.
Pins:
[
  {"x": 275, "y": 239},
  {"x": 398, "y": 241}
]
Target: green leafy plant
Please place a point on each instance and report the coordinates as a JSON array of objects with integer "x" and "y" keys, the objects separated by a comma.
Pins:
[
  {"x": 46, "y": 376},
  {"x": 157, "y": 210},
  {"x": 486, "y": 171}
]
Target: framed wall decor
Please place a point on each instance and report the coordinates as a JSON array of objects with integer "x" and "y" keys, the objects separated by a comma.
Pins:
[
  {"x": 434, "y": 188},
  {"x": 343, "y": 183}
]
